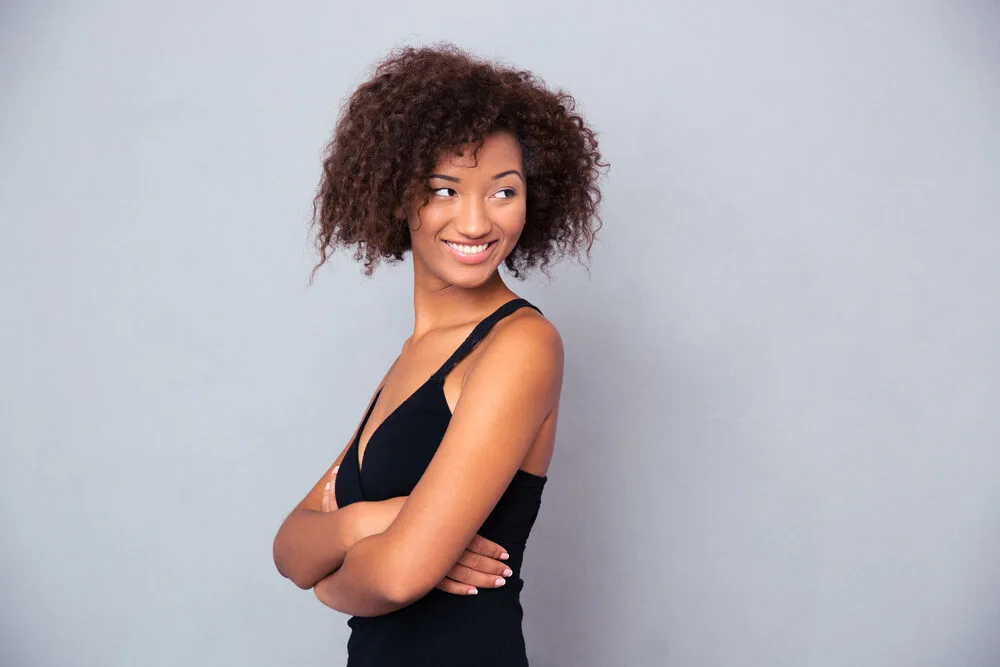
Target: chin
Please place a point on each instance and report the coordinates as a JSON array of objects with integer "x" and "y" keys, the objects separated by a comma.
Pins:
[
  {"x": 451, "y": 272},
  {"x": 468, "y": 281}
]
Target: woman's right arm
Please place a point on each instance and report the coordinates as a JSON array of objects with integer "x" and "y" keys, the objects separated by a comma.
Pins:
[
  {"x": 315, "y": 537},
  {"x": 311, "y": 543}
]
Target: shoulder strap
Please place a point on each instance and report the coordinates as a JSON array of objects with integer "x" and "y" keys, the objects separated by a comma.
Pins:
[{"x": 479, "y": 332}]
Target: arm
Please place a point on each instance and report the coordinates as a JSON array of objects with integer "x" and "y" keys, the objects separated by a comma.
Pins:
[
  {"x": 311, "y": 543},
  {"x": 505, "y": 398},
  {"x": 315, "y": 537}
]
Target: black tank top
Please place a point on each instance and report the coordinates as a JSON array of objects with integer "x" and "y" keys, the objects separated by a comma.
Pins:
[{"x": 440, "y": 629}]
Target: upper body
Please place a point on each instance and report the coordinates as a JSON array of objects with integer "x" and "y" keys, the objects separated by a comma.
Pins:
[
  {"x": 468, "y": 167},
  {"x": 453, "y": 452},
  {"x": 436, "y": 625}
]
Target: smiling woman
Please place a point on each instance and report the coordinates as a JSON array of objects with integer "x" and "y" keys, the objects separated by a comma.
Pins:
[
  {"x": 474, "y": 253},
  {"x": 419, "y": 527},
  {"x": 481, "y": 216}
]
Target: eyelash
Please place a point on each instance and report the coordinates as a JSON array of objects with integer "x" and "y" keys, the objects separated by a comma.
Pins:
[{"x": 512, "y": 191}]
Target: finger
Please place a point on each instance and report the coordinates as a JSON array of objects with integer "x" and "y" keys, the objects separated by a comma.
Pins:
[
  {"x": 484, "y": 564},
  {"x": 467, "y": 575},
  {"x": 481, "y": 545},
  {"x": 329, "y": 493},
  {"x": 455, "y": 588}
]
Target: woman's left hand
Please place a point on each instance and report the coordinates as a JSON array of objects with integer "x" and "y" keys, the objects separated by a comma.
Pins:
[{"x": 328, "y": 501}]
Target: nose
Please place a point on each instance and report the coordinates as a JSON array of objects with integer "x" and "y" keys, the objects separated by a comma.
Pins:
[{"x": 473, "y": 219}]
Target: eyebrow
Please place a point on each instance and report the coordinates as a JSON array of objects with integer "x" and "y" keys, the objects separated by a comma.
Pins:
[{"x": 455, "y": 179}]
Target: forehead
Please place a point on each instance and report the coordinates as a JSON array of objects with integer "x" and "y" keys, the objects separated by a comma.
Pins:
[{"x": 499, "y": 148}]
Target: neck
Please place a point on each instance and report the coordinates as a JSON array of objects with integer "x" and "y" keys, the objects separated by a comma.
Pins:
[{"x": 439, "y": 305}]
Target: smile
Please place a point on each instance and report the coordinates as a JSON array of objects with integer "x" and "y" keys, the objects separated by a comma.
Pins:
[{"x": 470, "y": 254}]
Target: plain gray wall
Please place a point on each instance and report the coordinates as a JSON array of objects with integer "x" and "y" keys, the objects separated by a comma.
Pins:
[{"x": 778, "y": 444}]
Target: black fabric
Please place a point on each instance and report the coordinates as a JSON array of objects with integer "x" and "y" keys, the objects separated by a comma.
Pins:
[{"x": 440, "y": 629}]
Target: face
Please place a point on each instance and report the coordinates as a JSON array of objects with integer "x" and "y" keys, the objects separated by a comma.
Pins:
[{"x": 474, "y": 216}]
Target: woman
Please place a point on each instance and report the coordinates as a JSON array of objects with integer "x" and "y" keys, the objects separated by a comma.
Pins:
[{"x": 419, "y": 527}]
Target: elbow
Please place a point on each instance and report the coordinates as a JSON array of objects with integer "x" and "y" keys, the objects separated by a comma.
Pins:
[
  {"x": 399, "y": 594},
  {"x": 376, "y": 601},
  {"x": 279, "y": 552},
  {"x": 404, "y": 587},
  {"x": 292, "y": 575},
  {"x": 304, "y": 584},
  {"x": 277, "y": 555},
  {"x": 374, "y": 579},
  {"x": 405, "y": 579},
  {"x": 393, "y": 578}
]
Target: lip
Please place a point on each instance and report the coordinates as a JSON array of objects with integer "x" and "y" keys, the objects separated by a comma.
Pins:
[{"x": 478, "y": 258}]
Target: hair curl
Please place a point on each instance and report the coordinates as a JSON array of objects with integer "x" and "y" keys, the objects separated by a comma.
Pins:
[{"x": 423, "y": 102}]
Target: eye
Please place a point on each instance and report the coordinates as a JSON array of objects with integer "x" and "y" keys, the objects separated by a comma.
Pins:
[
  {"x": 508, "y": 190},
  {"x": 436, "y": 190}
]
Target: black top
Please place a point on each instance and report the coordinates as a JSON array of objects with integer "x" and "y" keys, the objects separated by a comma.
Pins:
[{"x": 440, "y": 629}]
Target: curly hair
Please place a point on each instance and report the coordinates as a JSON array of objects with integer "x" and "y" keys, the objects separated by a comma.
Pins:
[{"x": 424, "y": 102}]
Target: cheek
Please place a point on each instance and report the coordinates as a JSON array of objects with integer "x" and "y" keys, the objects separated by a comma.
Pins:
[
  {"x": 427, "y": 224},
  {"x": 512, "y": 219}
]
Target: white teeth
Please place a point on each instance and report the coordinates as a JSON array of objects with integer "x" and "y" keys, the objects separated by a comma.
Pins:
[{"x": 468, "y": 249}]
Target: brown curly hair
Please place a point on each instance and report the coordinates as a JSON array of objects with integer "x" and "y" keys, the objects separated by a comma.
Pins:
[{"x": 423, "y": 102}]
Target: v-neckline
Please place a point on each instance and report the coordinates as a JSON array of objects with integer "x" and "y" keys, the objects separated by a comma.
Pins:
[
  {"x": 357, "y": 442},
  {"x": 439, "y": 375}
]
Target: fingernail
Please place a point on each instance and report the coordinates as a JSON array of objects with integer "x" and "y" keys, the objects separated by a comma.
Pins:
[
  {"x": 507, "y": 572},
  {"x": 501, "y": 581},
  {"x": 504, "y": 556},
  {"x": 473, "y": 591}
]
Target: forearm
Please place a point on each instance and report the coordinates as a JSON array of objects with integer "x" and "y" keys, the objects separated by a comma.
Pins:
[
  {"x": 311, "y": 544},
  {"x": 364, "y": 584}
]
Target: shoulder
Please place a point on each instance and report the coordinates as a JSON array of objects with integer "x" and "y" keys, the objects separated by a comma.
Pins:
[
  {"x": 525, "y": 340},
  {"x": 527, "y": 328}
]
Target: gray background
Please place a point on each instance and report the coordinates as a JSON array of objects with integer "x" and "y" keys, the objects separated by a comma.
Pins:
[{"x": 778, "y": 439}]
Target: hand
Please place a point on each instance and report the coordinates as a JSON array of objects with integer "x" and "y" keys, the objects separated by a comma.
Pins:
[
  {"x": 328, "y": 500},
  {"x": 479, "y": 566}
]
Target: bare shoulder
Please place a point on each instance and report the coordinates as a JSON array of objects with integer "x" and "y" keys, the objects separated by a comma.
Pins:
[
  {"x": 525, "y": 338},
  {"x": 533, "y": 330}
]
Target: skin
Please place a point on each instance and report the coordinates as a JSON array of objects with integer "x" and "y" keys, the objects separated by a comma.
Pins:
[
  {"x": 504, "y": 396},
  {"x": 316, "y": 535}
]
